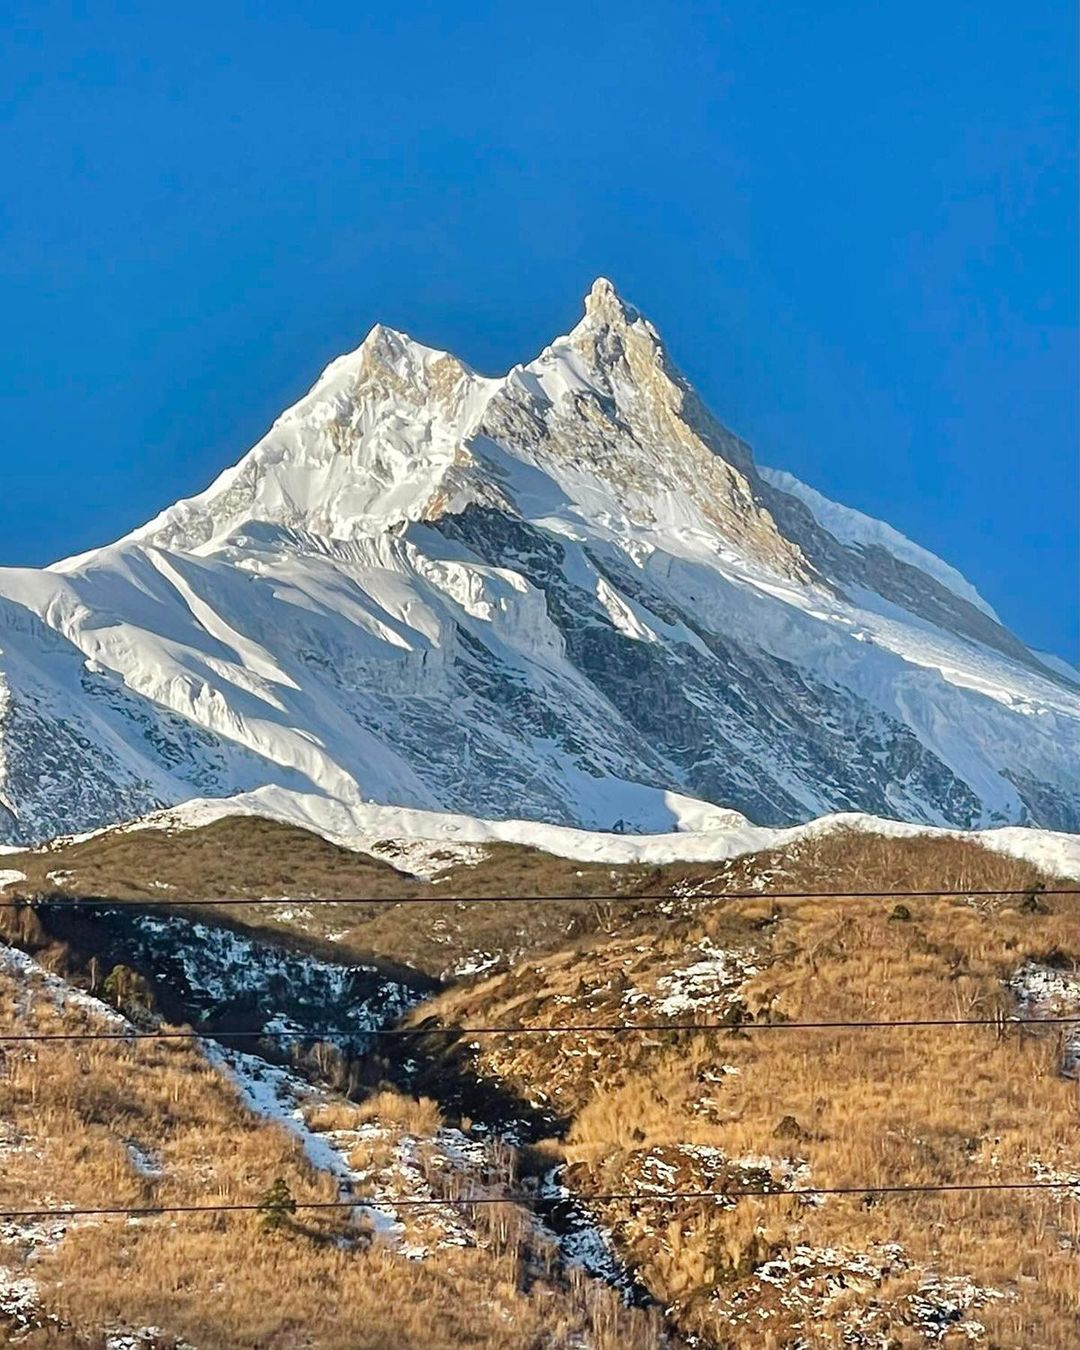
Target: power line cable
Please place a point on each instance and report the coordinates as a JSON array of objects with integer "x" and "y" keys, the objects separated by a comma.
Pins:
[
  {"x": 611, "y": 898},
  {"x": 519, "y": 1029},
  {"x": 605, "y": 1197}
]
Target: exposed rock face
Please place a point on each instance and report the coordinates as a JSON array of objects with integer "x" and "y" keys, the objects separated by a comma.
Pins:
[{"x": 562, "y": 594}]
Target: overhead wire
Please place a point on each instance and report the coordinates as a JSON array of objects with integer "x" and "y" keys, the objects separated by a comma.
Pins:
[
  {"x": 596, "y": 1198},
  {"x": 519, "y": 1029},
  {"x": 620, "y": 897},
  {"x": 628, "y": 1197}
]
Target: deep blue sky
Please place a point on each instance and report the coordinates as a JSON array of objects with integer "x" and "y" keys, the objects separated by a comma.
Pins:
[{"x": 854, "y": 224}]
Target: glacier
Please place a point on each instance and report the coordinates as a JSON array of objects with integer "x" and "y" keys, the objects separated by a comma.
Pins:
[{"x": 567, "y": 595}]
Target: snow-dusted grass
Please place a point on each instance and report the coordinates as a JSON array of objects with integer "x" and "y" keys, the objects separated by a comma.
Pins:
[
  {"x": 1052, "y": 991},
  {"x": 839, "y": 1287},
  {"x": 283, "y": 1097},
  {"x": 31, "y": 984},
  {"x": 77, "y": 1126},
  {"x": 703, "y": 983}
]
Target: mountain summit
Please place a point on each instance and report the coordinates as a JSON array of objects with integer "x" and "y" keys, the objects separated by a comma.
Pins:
[{"x": 568, "y": 594}]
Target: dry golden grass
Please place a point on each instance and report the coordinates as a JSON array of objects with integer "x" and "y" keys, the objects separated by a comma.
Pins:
[
  {"x": 859, "y": 1108},
  {"x": 73, "y": 1111},
  {"x": 419, "y": 1116}
]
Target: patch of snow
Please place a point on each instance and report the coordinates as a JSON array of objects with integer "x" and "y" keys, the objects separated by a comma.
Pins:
[
  {"x": 20, "y": 1302},
  {"x": 938, "y": 1307},
  {"x": 714, "y": 978},
  {"x": 623, "y": 615},
  {"x": 145, "y": 1161},
  {"x": 477, "y": 963},
  {"x": 426, "y": 859},
  {"x": 1049, "y": 991},
  {"x": 583, "y": 1240},
  {"x": 36, "y": 978},
  {"x": 141, "y": 1337},
  {"x": 296, "y": 914},
  {"x": 844, "y": 1287},
  {"x": 1064, "y": 1177},
  {"x": 277, "y": 1094}
]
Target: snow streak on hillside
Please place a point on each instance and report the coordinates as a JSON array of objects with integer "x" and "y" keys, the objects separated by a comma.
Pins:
[{"x": 567, "y": 595}]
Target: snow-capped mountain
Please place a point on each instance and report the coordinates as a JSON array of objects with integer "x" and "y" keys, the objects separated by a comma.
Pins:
[{"x": 568, "y": 594}]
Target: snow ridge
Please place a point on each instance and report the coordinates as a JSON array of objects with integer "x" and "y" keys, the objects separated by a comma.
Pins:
[{"x": 854, "y": 528}]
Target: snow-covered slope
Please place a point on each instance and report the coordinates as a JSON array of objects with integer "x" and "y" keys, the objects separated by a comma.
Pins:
[
  {"x": 567, "y": 595},
  {"x": 855, "y": 530}
]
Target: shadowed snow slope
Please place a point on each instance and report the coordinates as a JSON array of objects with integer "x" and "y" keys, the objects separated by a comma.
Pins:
[{"x": 567, "y": 594}]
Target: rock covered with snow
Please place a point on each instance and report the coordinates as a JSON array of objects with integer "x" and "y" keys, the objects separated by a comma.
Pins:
[{"x": 567, "y": 595}]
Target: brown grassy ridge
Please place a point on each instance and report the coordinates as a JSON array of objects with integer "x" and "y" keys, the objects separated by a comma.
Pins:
[
  {"x": 71, "y": 1113},
  {"x": 860, "y": 1108},
  {"x": 244, "y": 857}
]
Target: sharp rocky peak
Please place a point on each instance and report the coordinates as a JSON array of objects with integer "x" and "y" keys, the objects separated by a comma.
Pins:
[
  {"x": 604, "y": 304},
  {"x": 535, "y": 595},
  {"x": 415, "y": 367},
  {"x": 612, "y": 328},
  {"x": 385, "y": 342},
  {"x": 390, "y": 433}
]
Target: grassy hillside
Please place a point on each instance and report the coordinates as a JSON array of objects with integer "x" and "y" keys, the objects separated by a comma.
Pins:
[
  {"x": 246, "y": 858},
  {"x": 86, "y": 1124},
  {"x": 791, "y": 1108},
  {"x": 757, "y": 1104}
]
